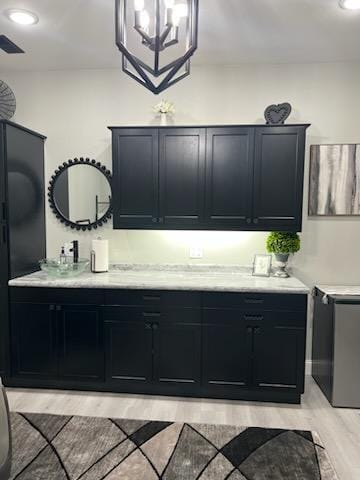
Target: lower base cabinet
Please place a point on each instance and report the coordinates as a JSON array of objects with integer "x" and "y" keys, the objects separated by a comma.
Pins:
[
  {"x": 174, "y": 343},
  {"x": 55, "y": 342},
  {"x": 152, "y": 348}
]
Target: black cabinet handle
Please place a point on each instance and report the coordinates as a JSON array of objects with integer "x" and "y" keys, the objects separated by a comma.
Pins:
[
  {"x": 150, "y": 298},
  {"x": 155, "y": 326},
  {"x": 154, "y": 220},
  {"x": 249, "y": 330},
  {"x": 248, "y": 220},
  {"x": 148, "y": 326},
  {"x": 161, "y": 220},
  {"x": 257, "y": 330},
  {"x": 253, "y": 300},
  {"x": 3, "y": 211},
  {"x": 151, "y": 314},
  {"x": 256, "y": 221},
  {"x": 58, "y": 308},
  {"x": 254, "y": 318},
  {"x": 4, "y": 234},
  {"x": 51, "y": 308}
]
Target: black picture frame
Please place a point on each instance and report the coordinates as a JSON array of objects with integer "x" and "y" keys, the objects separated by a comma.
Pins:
[{"x": 51, "y": 189}]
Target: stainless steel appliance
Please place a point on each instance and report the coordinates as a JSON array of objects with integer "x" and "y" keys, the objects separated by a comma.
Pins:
[{"x": 336, "y": 344}]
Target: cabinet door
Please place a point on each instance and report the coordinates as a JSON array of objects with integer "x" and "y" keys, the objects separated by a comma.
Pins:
[
  {"x": 128, "y": 346},
  {"x": 182, "y": 172},
  {"x": 135, "y": 181},
  {"x": 177, "y": 347},
  {"x": 226, "y": 354},
  {"x": 81, "y": 349},
  {"x": 279, "y": 352},
  {"x": 33, "y": 331},
  {"x": 4, "y": 319},
  {"x": 278, "y": 178},
  {"x": 229, "y": 176}
]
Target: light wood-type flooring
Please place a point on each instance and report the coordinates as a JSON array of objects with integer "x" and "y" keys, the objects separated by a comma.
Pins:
[{"x": 339, "y": 428}]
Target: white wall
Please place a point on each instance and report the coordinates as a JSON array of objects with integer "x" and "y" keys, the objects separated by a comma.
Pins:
[{"x": 74, "y": 108}]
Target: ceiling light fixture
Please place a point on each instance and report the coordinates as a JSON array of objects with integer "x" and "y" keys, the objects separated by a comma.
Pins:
[
  {"x": 350, "y": 4},
  {"x": 22, "y": 17},
  {"x": 160, "y": 24}
]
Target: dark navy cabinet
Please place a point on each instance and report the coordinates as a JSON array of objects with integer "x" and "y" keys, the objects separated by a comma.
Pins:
[
  {"x": 153, "y": 343},
  {"x": 129, "y": 346},
  {"x": 58, "y": 338},
  {"x": 22, "y": 216},
  {"x": 229, "y": 177},
  {"x": 219, "y": 345},
  {"x": 80, "y": 342},
  {"x": 278, "y": 177},
  {"x": 34, "y": 349},
  {"x": 212, "y": 178},
  {"x": 135, "y": 192},
  {"x": 181, "y": 177}
]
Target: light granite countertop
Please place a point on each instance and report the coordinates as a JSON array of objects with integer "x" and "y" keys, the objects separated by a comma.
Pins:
[{"x": 169, "y": 277}]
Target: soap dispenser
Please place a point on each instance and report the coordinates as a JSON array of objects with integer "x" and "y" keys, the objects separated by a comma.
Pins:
[{"x": 62, "y": 258}]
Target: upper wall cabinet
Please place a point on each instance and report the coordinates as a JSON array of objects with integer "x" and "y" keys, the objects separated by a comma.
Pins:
[
  {"x": 209, "y": 178},
  {"x": 278, "y": 177}
]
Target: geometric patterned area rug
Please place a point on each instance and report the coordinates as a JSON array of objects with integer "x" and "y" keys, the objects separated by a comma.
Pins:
[{"x": 51, "y": 447}]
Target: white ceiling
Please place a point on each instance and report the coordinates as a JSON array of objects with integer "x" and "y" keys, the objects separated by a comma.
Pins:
[{"x": 80, "y": 33}]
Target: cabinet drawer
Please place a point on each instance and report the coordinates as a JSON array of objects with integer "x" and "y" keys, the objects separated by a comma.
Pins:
[
  {"x": 63, "y": 296},
  {"x": 254, "y": 301},
  {"x": 151, "y": 315},
  {"x": 150, "y": 298},
  {"x": 279, "y": 320}
]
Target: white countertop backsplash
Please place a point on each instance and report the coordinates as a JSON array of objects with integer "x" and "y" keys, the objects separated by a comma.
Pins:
[{"x": 169, "y": 277}]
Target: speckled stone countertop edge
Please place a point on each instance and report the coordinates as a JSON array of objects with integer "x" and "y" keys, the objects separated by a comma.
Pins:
[{"x": 200, "y": 278}]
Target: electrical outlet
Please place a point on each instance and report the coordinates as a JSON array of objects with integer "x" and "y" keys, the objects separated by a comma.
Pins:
[{"x": 196, "y": 252}]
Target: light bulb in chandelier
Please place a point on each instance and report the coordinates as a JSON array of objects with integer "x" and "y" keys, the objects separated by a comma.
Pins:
[
  {"x": 169, "y": 4},
  {"x": 139, "y": 5},
  {"x": 180, "y": 11},
  {"x": 144, "y": 20}
]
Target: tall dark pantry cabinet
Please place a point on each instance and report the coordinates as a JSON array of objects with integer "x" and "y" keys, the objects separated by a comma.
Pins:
[{"x": 22, "y": 215}]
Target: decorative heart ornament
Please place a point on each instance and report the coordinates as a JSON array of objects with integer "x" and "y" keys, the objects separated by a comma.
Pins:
[{"x": 277, "y": 114}]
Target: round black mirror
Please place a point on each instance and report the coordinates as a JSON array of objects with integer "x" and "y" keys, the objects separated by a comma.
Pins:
[{"x": 80, "y": 194}]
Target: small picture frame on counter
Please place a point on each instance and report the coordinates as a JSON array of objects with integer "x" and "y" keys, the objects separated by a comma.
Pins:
[{"x": 262, "y": 265}]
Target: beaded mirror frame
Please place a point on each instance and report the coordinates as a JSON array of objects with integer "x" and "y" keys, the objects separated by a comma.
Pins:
[{"x": 51, "y": 193}]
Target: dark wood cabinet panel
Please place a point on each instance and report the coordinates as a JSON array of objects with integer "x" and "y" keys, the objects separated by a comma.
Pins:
[
  {"x": 182, "y": 167},
  {"x": 3, "y": 330},
  {"x": 34, "y": 349},
  {"x": 81, "y": 349},
  {"x": 279, "y": 177},
  {"x": 279, "y": 352},
  {"x": 215, "y": 344},
  {"x": 135, "y": 185},
  {"x": 229, "y": 176},
  {"x": 209, "y": 178},
  {"x": 129, "y": 346},
  {"x": 226, "y": 361},
  {"x": 177, "y": 347}
]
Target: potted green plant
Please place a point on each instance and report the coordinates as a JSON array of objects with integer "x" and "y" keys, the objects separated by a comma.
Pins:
[{"x": 282, "y": 244}]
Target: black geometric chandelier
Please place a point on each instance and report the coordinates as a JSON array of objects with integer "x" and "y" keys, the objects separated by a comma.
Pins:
[{"x": 157, "y": 39}]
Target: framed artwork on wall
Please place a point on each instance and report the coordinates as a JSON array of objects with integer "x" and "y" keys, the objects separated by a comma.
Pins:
[
  {"x": 334, "y": 180},
  {"x": 262, "y": 265}
]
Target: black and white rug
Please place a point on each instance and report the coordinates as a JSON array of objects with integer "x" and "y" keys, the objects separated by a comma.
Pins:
[{"x": 49, "y": 447}]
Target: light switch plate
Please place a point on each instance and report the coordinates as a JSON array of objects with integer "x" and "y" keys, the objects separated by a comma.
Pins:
[{"x": 196, "y": 252}]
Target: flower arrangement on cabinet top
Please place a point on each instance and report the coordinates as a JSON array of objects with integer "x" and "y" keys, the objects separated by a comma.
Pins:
[{"x": 165, "y": 109}]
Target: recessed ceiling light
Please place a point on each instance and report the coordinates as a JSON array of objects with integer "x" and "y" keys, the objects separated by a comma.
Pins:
[
  {"x": 350, "y": 4},
  {"x": 23, "y": 17}
]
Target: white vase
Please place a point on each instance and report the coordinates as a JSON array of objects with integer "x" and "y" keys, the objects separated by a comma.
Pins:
[{"x": 163, "y": 119}]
